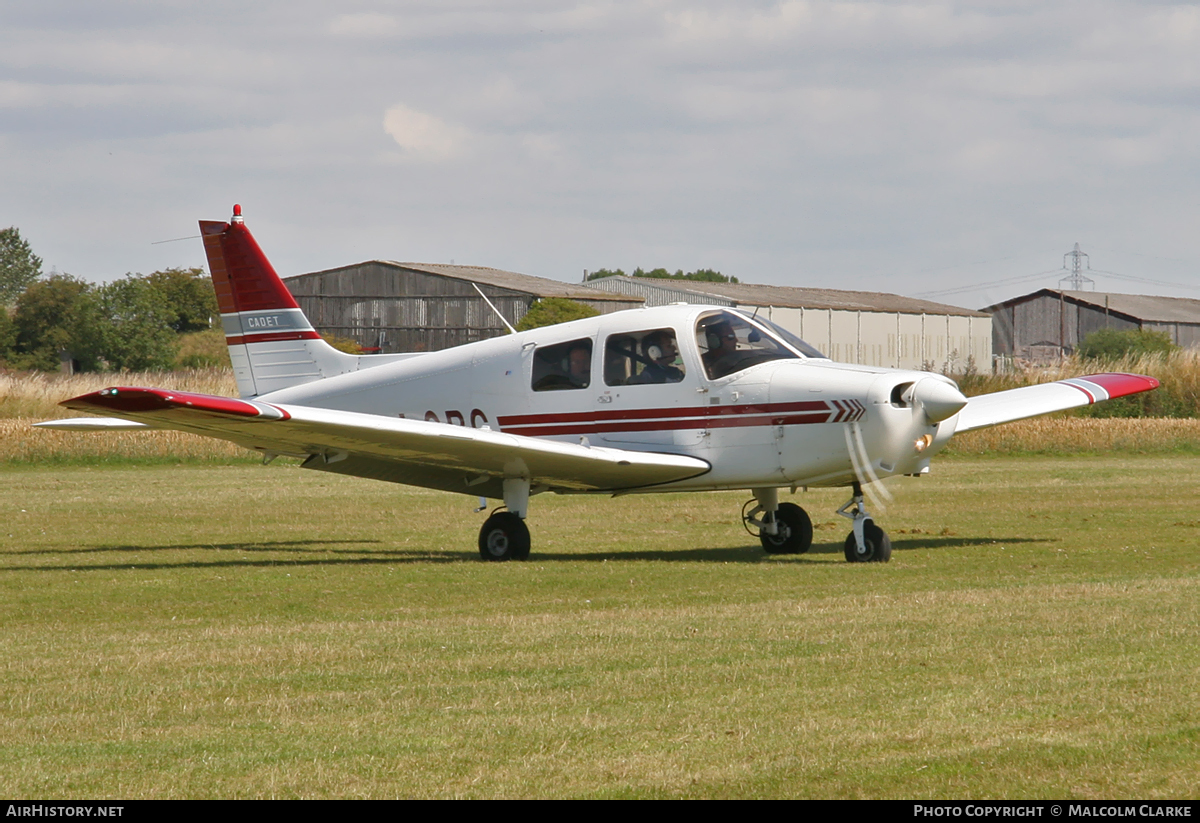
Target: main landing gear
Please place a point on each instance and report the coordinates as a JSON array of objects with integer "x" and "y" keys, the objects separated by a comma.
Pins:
[
  {"x": 504, "y": 535},
  {"x": 866, "y": 543},
  {"x": 785, "y": 528}
]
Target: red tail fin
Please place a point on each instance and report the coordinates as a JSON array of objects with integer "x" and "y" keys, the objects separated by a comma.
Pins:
[{"x": 271, "y": 343}]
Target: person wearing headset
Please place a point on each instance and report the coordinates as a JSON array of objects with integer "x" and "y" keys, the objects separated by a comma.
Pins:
[
  {"x": 721, "y": 356},
  {"x": 659, "y": 348}
]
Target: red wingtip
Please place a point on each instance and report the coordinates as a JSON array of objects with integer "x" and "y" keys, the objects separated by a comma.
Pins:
[
  {"x": 132, "y": 400},
  {"x": 1120, "y": 385}
]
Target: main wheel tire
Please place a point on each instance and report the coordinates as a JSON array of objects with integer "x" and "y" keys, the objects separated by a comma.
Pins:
[
  {"x": 877, "y": 550},
  {"x": 504, "y": 536},
  {"x": 793, "y": 531}
]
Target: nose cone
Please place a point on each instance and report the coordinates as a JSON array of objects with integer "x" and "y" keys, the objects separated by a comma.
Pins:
[{"x": 938, "y": 399}]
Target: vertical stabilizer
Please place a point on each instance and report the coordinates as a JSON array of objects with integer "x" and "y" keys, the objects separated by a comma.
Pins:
[{"x": 271, "y": 343}]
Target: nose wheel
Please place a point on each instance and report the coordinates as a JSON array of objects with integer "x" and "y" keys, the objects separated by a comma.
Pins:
[
  {"x": 866, "y": 543},
  {"x": 876, "y": 547}
]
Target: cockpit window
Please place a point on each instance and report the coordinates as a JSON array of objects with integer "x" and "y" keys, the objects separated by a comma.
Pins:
[
  {"x": 728, "y": 344},
  {"x": 563, "y": 366},
  {"x": 642, "y": 358}
]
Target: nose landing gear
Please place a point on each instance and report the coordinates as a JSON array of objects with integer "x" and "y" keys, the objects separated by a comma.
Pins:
[{"x": 866, "y": 543}]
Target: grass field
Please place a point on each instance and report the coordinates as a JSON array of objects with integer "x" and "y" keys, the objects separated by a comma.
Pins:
[{"x": 240, "y": 631}]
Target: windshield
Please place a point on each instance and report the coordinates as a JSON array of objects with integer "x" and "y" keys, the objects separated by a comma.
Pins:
[
  {"x": 728, "y": 344},
  {"x": 791, "y": 339}
]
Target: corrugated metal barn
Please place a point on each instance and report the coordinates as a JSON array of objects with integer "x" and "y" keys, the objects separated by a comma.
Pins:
[
  {"x": 870, "y": 328},
  {"x": 409, "y": 307},
  {"x": 1046, "y": 324}
]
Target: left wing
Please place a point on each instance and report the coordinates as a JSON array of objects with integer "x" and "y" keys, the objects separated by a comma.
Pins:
[
  {"x": 419, "y": 453},
  {"x": 987, "y": 410}
]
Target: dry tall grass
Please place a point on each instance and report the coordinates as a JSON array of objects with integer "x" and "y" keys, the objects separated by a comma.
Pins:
[
  {"x": 37, "y": 394},
  {"x": 1178, "y": 372},
  {"x": 1082, "y": 435},
  {"x": 30, "y": 397},
  {"x": 21, "y": 442}
]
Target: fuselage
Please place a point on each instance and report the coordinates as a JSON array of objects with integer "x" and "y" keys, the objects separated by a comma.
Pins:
[{"x": 720, "y": 385}]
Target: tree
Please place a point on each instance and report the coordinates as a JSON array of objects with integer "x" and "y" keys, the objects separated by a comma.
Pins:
[
  {"x": 600, "y": 273},
  {"x": 19, "y": 266},
  {"x": 700, "y": 275},
  {"x": 8, "y": 336},
  {"x": 127, "y": 325},
  {"x": 548, "y": 311},
  {"x": 189, "y": 293},
  {"x": 1110, "y": 344},
  {"x": 48, "y": 320}
]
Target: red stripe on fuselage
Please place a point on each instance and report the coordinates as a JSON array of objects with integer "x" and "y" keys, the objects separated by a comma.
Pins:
[
  {"x": 270, "y": 337},
  {"x": 649, "y": 414},
  {"x": 600, "y": 427}
]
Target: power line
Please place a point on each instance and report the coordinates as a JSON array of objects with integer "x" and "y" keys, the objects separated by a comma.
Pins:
[
  {"x": 982, "y": 286},
  {"x": 1075, "y": 278},
  {"x": 1146, "y": 280}
]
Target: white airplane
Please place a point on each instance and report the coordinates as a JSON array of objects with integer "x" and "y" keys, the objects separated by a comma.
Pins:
[{"x": 678, "y": 398}]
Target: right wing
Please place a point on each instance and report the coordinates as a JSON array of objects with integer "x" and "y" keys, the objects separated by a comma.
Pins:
[
  {"x": 415, "y": 452},
  {"x": 987, "y": 410}
]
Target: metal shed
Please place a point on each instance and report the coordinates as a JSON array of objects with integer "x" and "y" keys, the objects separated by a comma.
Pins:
[
  {"x": 408, "y": 307},
  {"x": 1049, "y": 323},
  {"x": 871, "y": 328}
]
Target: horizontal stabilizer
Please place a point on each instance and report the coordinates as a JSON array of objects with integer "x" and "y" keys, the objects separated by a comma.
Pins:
[
  {"x": 1031, "y": 401},
  {"x": 433, "y": 455}
]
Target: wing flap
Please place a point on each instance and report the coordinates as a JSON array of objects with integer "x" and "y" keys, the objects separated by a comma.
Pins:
[
  {"x": 435, "y": 455},
  {"x": 1031, "y": 401}
]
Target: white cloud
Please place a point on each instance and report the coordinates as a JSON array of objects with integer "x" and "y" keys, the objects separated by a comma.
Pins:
[{"x": 424, "y": 136}]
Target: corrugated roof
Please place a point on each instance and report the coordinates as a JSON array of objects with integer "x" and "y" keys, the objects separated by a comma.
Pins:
[
  {"x": 486, "y": 276},
  {"x": 797, "y": 297},
  {"x": 1152, "y": 308},
  {"x": 1145, "y": 306}
]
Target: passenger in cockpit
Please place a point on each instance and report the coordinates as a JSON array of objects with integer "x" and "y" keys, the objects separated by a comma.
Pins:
[{"x": 660, "y": 352}]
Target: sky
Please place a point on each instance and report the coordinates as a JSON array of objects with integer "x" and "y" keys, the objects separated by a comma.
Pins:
[{"x": 953, "y": 151}]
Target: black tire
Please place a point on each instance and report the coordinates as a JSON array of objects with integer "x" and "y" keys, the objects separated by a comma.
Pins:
[
  {"x": 504, "y": 536},
  {"x": 878, "y": 548},
  {"x": 794, "y": 531}
]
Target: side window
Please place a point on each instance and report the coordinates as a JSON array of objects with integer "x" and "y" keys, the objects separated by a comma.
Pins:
[
  {"x": 640, "y": 358},
  {"x": 563, "y": 366}
]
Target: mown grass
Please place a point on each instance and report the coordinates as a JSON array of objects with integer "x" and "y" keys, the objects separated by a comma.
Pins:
[{"x": 268, "y": 632}]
